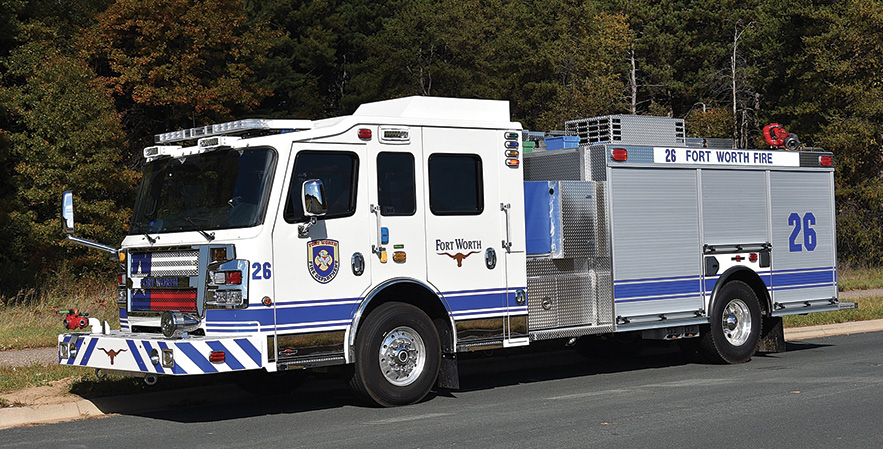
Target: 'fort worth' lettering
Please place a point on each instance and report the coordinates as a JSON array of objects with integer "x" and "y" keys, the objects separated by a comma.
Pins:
[{"x": 457, "y": 245}]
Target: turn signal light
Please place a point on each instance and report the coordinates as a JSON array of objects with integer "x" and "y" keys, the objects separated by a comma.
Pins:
[
  {"x": 399, "y": 257},
  {"x": 219, "y": 254},
  {"x": 512, "y": 163}
]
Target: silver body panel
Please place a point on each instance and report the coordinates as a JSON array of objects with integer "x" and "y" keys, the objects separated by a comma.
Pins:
[{"x": 655, "y": 224}]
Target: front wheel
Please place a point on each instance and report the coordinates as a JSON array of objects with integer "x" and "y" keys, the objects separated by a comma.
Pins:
[
  {"x": 397, "y": 356},
  {"x": 735, "y": 325}
]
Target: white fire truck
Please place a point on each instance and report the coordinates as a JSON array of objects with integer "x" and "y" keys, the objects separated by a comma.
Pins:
[{"x": 417, "y": 228}]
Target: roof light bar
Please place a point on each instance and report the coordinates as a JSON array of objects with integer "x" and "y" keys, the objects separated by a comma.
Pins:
[
  {"x": 238, "y": 126},
  {"x": 160, "y": 150}
]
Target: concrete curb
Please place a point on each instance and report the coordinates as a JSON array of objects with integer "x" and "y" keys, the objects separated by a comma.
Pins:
[
  {"x": 829, "y": 330},
  {"x": 129, "y": 404},
  {"x": 219, "y": 394}
]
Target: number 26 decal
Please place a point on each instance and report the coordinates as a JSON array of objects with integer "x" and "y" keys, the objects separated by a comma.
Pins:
[
  {"x": 260, "y": 270},
  {"x": 809, "y": 234}
]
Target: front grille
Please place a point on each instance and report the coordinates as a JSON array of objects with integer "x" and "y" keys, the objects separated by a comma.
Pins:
[
  {"x": 165, "y": 263},
  {"x": 163, "y": 300}
]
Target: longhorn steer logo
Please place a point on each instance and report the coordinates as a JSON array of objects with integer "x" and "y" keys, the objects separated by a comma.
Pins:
[
  {"x": 459, "y": 257},
  {"x": 112, "y": 353}
]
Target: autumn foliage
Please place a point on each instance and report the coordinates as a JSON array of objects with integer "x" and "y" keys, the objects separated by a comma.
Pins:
[{"x": 84, "y": 85}]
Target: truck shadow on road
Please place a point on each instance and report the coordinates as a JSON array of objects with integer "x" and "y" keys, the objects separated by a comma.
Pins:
[{"x": 478, "y": 371}]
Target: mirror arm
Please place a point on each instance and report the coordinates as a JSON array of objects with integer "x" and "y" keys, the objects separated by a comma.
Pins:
[
  {"x": 93, "y": 245},
  {"x": 303, "y": 230}
]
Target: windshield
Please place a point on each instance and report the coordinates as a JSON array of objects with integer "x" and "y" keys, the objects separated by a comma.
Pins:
[{"x": 216, "y": 190}]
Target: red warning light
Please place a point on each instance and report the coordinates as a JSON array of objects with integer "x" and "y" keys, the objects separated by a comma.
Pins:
[
  {"x": 217, "y": 357},
  {"x": 825, "y": 161},
  {"x": 620, "y": 154},
  {"x": 365, "y": 134}
]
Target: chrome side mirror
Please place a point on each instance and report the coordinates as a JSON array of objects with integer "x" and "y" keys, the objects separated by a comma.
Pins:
[
  {"x": 315, "y": 202},
  {"x": 67, "y": 212},
  {"x": 67, "y": 222}
]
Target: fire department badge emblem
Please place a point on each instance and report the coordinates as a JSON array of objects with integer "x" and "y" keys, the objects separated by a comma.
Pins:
[{"x": 323, "y": 261}]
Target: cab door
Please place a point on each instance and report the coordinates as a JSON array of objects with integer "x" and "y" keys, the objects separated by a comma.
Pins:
[
  {"x": 465, "y": 230},
  {"x": 318, "y": 281},
  {"x": 396, "y": 206}
]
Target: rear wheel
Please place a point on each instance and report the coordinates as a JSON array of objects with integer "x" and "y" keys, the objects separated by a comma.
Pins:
[
  {"x": 735, "y": 325},
  {"x": 397, "y": 356}
]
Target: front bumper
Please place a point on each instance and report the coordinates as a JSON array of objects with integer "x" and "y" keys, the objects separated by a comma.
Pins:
[{"x": 154, "y": 354}]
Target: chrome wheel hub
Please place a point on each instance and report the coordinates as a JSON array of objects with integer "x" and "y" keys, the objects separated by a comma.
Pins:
[
  {"x": 736, "y": 321},
  {"x": 402, "y": 356}
]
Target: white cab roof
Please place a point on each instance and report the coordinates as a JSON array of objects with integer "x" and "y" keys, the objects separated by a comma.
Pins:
[{"x": 438, "y": 108}]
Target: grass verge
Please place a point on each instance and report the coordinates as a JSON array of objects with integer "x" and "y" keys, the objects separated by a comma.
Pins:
[
  {"x": 860, "y": 278},
  {"x": 31, "y": 320},
  {"x": 870, "y": 308},
  {"x": 19, "y": 377}
]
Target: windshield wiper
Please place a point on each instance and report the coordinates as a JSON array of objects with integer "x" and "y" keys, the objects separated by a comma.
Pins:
[
  {"x": 208, "y": 235},
  {"x": 150, "y": 239}
]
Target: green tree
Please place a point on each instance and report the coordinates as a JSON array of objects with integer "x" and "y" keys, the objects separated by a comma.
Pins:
[
  {"x": 847, "y": 62},
  {"x": 174, "y": 64},
  {"x": 552, "y": 61},
  {"x": 63, "y": 134}
]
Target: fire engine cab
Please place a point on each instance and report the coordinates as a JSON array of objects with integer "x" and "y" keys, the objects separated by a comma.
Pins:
[{"x": 418, "y": 228}]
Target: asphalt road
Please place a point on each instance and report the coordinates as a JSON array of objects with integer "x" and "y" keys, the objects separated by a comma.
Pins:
[{"x": 821, "y": 393}]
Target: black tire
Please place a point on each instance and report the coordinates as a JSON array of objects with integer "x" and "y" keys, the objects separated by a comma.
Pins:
[
  {"x": 404, "y": 374},
  {"x": 735, "y": 325}
]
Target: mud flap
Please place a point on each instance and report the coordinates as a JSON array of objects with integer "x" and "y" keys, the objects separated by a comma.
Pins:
[
  {"x": 772, "y": 335},
  {"x": 448, "y": 373}
]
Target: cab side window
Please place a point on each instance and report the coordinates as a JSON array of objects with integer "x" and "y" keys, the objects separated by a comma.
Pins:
[
  {"x": 338, "y": 171},
  {"x": 455, "y": 184},
  {"x": 396, "y": 189}
]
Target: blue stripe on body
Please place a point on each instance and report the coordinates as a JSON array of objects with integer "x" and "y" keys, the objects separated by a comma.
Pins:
[
  {"x": 264, "y": 316},
  {"x": 158, "y": 366},
  {"x": 77, "y": 344},
  {"x": 249, "y": 349},
  {"x": 307, "y": 315},
  {"x": 137, "y": 355},
  {"x": 658, "y": 298},
  {"x": 123, "y": 314},
  {"x": 795, "y": 279},
  {"x": 799, "y": 270},
  {"x": 88, "y": 352},
  {"x": 196, "y": 358},
  {"x": 459, "y": 304},
  {"x": 664, "y": 288},
  {"x": 228, "y": 358},
  {"x": 483, "y": 290},
  {"x": 316, "y": 302},
  {"x": 176, "y": 368}
]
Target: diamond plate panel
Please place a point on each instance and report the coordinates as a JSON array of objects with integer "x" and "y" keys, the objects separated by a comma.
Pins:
[
  {"x": 540, "y": 290},
  {"x": 553, "y": 165},
  {"x": 578, "y": 219},
  {"x": 596, "y": 162},
  {"x": 574, "y": 300}
]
